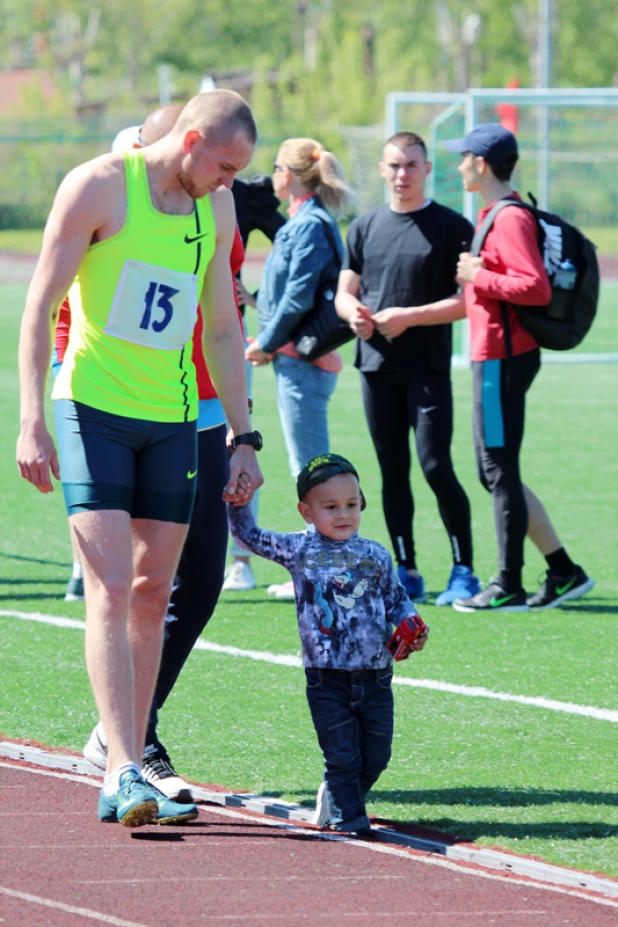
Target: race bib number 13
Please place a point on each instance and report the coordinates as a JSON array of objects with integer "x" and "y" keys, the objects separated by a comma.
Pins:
[{"x": 153, "y": 306}]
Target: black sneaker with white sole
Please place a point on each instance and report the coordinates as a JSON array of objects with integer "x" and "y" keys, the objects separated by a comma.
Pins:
[
  {"x": 158, "y": 770},
  {"x": 558, "y": 589},
  {"x": 493, "y": 599}
]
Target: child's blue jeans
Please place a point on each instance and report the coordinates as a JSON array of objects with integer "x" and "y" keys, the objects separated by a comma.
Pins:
[{"x": 352, "y": 713}]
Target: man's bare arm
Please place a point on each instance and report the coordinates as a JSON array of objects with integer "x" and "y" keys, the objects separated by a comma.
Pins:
[
  {"x": 74, "y": 219},
  {"x": 349, "y": 306},
  {"x": 224, "y": 349}
]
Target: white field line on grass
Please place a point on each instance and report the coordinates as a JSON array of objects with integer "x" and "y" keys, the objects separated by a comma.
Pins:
[{"x": 569, "y": 708}]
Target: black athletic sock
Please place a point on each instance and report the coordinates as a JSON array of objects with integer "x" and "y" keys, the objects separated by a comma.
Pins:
[
  {"x": 560, "y": 563},
  {"x": 510, "y": 580}
]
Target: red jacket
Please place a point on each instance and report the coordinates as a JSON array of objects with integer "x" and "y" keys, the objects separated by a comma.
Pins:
[
  {"x": 205, "y": 388},
  {"x": 514, "y": 273}
]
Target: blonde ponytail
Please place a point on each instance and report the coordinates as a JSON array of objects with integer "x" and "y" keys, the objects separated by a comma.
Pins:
[{"x": 320, "y": 171}]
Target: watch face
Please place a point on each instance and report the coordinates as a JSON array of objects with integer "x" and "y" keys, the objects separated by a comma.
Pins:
[{"x": 258, "y": 440}]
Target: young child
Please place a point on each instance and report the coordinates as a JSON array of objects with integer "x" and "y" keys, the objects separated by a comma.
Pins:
[{"x": 348, "y": 596}]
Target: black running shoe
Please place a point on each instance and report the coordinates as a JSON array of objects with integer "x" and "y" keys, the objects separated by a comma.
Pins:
[
  {"x": 158, "y": 771},
  {"x": 558, "y": 589},
  {"x": 493, "y": 599}
]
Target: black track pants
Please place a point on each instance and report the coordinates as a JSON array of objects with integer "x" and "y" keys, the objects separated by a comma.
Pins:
[
  {"x": 499, "y": 397},
  {"x": 199, "y": 578},
  {"x": 392, "y": 407}
]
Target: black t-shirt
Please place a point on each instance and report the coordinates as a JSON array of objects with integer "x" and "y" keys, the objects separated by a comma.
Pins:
[{"x": 407, "y": 259}]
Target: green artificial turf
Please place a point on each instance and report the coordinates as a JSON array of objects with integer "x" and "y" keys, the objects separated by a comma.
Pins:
[{"x": 517, "y": 776}]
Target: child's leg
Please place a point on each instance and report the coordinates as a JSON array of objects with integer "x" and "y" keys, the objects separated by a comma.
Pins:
[
  {"x": 376, "y": 719},
  {"x": 330, "y": 695}
]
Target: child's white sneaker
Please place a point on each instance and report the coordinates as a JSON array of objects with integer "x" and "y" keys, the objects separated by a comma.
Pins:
[
  {"x": 322, "y": 811},
  {"x": 239, "y": 577},
  {"x": 282, "y": 590}
]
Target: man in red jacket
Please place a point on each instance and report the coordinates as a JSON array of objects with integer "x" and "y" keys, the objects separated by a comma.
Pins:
[{"x": 510, "y": 272}]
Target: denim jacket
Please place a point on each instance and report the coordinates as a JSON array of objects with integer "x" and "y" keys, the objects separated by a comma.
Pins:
[{"x": 301, "y": 259}]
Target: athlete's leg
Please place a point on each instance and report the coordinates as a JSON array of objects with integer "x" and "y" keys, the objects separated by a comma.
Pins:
[
  {"x": 165, "y": 485},
  {"x": 105, "y": 547},
  {"x": 387, "y": 414},
  {"x": 431, "y": 402},
  {"x": 500, "y": 389},
  {"x": 156, "y": 550},
  {"x": 199, "y": 576},
  {"x": 540, "y": 529},
  {"x": 565, "y": 580}
]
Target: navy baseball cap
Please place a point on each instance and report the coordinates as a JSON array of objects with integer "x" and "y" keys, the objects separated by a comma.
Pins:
[
  {"x": 489, "y": 140},
  {"x": 322, "y": 468}
]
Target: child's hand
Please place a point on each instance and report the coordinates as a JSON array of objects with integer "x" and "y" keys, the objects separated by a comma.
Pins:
[
  {"x": 241, "y": 495},
  {"x": 420, "y": 641},
  {"x": 418, "y": 644},
  {"x": 410, "y": 635}
]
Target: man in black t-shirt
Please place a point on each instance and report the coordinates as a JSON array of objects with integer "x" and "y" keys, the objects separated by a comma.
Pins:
[{"x": 397, "y": 290}]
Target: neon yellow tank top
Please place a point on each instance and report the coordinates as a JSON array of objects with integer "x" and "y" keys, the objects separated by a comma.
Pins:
[{"x": 134, "y": 308}]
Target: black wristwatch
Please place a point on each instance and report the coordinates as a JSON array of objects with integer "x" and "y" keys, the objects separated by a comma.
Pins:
[{"x": 254, "y": 438}]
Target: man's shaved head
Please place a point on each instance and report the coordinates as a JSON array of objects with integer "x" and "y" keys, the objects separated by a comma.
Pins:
[
  {"x": 218, "y": 115},
  {"x": 160, "y": 122}
]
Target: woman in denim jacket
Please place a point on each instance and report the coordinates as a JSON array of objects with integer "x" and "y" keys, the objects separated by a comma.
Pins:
[{"x": 302, "y": 258}]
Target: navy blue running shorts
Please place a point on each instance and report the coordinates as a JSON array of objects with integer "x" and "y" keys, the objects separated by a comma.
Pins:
[{"x": 108, "y": 461}]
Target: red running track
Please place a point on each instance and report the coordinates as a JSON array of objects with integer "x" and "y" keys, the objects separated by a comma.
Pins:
[{"x": 60, "y": 868}]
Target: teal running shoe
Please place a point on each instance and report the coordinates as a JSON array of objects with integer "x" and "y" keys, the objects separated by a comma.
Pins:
[
  {"x": 133, "y": 804},
  {"x": 159, "y": 809},
  {"x": 173, "y": 812}
]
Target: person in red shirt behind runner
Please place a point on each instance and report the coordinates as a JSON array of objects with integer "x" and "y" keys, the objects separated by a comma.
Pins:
[
  {"x": 509, "y": 270},
  {"x": 199, "y": 577}
]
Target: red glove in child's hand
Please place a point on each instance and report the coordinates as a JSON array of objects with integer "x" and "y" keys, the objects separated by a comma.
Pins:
[{"x": 408, "y": 637}]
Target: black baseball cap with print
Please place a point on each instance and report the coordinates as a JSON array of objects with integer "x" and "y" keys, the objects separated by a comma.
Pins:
[
  {"x": 322, "y": 468},
  {"x": 489, "y": 140}
]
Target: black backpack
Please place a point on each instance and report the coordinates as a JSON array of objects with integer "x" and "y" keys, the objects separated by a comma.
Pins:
[{"x": 573, "y": 270}]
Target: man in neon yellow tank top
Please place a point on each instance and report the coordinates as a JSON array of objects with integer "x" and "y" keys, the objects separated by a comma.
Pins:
[{"x": 136, "y": 241}]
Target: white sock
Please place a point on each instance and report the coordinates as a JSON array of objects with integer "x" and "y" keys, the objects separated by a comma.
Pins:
[
  {"x": 111, "y": 783},
  {"x": 78, "y": 572}
]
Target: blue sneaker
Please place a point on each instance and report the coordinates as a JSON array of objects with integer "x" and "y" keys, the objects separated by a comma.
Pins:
[
  {"x": 462, "y": 584},
  {"x": 414, "y": 585},
  {"x": 133, "y": 804},
  {"x": 159, "y": 810}
]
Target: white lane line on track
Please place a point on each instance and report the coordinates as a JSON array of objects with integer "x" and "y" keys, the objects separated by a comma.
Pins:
[
  {"x": 68, "y": 777},
  {"x": 570, "y": 708},
  {"x": 70, "y": 909},
  {"x": 413, "y": 856}
]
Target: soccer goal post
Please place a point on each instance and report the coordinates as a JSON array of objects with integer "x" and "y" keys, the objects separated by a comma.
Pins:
[{"x": 568, "y": 160}]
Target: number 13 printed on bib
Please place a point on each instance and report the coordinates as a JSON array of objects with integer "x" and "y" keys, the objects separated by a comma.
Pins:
[{"x": 153, "y": 306}]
